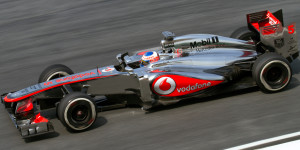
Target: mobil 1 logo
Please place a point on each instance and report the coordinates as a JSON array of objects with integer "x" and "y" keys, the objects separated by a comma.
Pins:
[{"x": 207, "y": 41}]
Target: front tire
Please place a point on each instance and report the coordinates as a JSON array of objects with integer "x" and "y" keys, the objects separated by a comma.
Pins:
[
  {"x": 271, "y": 72},
  {"x": 55, "y": 71},
  {"x": 77, "y": 111}
]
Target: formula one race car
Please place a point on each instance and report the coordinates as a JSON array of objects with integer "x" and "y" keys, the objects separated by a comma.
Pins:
[{"x": 194, "y": 65}]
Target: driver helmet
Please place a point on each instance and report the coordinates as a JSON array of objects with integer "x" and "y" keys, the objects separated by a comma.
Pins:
[{"x": 149, "y": 57}]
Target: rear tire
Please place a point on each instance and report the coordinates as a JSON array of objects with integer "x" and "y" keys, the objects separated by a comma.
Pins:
[
  {"x": 242, "y": 33},
  {"x": 271, "y": 72},
  {"x": 55, "y": 71},
  {"x": 77, "y": 111}
]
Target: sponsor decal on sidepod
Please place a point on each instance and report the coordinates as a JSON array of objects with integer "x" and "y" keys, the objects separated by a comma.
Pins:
[
  {"x": 193, "y": 87},
  {"x": 165, "y": 85}
]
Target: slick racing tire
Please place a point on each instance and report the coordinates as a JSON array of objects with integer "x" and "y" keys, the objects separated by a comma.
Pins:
[
  {"x": 77, "y": 111},
  {"x": 242, "y": 33},
  {"x": 55, "y": 71},
  {"x": 271, "y": 72}
]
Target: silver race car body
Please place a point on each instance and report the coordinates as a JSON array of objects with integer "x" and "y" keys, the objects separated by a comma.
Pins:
[{"x": 193, "y": 65}]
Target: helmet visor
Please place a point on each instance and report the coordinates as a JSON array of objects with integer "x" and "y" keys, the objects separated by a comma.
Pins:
[{"x": 145, "y": 62}]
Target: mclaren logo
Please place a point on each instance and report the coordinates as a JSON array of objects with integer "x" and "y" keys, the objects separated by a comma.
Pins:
[
  {"x": 108, "y": 69},
  {"x": 164, "y": 86}
]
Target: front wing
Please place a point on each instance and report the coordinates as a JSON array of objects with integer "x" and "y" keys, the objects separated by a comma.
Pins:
[{"x": 28, "y": 127}]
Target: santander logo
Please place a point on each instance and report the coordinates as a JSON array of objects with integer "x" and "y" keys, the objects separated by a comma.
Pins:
[{"x": 164, "y": 85}]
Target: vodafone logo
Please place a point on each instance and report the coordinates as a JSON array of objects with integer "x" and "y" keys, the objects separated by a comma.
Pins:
[
  {"x": 171, "y": 85},
  {"x": 194, "y": 87},
  {"x": 164, "y": 85}
]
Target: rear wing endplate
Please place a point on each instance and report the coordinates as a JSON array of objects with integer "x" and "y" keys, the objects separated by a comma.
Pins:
[{"x": 282, "y": 39}]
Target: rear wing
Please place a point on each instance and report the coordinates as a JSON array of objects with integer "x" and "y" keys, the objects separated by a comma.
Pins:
[
  {"x": 263, "y": 19},
  {"x": 272, "y": 33}
]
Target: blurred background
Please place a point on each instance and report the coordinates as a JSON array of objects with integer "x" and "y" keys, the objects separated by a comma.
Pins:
[{"x": 83, "y": 34}]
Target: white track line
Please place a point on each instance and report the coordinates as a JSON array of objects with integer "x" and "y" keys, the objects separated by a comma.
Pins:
[
  {"x": 254, "y": 144},
  {"x": 294, "y": 145}
]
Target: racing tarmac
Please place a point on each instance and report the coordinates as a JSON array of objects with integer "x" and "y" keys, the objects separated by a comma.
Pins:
[{"x": 90, "y": 33}]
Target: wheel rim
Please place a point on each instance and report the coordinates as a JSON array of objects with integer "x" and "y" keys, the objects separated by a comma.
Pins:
[
  {"x": 80, "y": 114},
  {"x": 57, "y": 75},
  {"x": 275, "y": 75}
]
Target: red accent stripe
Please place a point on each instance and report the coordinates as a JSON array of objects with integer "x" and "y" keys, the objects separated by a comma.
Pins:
[
  {"x": 99, "y": 71},
  {"x": 157, "y": 70},
  {"x": 31, "y": 94},
  {"x": 246, "y": 54}
]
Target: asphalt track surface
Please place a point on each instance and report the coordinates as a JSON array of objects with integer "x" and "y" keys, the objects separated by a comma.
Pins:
[{"x": 89, "y": 33}]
